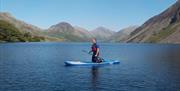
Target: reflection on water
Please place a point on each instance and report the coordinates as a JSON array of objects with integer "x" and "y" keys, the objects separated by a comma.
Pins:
[{"x": 94, "y": 72}]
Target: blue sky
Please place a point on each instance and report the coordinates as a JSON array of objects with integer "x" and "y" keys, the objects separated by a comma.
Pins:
[{"x": 89, "y": 14}]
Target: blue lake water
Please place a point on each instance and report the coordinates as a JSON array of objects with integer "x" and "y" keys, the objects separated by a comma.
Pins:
[{"x": 40, "y": 67}]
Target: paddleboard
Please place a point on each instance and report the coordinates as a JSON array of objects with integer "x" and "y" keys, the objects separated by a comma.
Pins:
[{"x": 81, "y": 63}]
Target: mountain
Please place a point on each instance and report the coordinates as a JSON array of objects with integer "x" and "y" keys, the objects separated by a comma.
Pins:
[
  {"x": 162, "y": 28},
  {"x": 61, "y": 28},
  {"x": 9, "y": 33},
  {"x": 83, "y": 32},
  {"x": 22, "y": 28},
  {"x": 123, "y": 34},
  {"x": 68, "y": 32},
  {"x": 102, "y": 33},
  {"x": 128, "y": 30},
  {"x": 78, "y": 34}
]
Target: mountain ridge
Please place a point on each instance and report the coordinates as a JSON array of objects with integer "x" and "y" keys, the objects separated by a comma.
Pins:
[
  {"x": 158, "y": 27},
  {"x": 123, "y": 34},
  {"x": 102, "y": 33},
  {"x": 64, "y": 29}
]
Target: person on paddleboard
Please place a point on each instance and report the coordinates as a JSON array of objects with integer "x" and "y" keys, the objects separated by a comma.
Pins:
[{"x": 95, "y": 50}]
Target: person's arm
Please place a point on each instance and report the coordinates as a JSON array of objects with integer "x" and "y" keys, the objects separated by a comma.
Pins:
[{"x": 97, "y": 52}]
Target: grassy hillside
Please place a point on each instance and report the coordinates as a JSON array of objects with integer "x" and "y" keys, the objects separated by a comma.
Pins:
[
  {"x": 165, "y": 32},
  {"x": 9, "y": 33}
]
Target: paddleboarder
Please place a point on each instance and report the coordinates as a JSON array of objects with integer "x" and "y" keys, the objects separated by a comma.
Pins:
[{"x": 95, "y": 50}]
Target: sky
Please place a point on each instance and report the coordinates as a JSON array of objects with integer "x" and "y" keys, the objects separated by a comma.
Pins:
[{"x": 89, "y": 14}]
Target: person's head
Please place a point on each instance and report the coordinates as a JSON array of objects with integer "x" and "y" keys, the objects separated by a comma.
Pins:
[{"x": 94, "y": 40}]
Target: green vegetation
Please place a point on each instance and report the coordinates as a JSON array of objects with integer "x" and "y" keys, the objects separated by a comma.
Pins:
[
  {"x": 165, "y": 32},
  {"x": 9, "y": 33}
]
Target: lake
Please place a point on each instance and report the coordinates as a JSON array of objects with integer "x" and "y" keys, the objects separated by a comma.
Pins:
[{"x": 40, "y": 67}]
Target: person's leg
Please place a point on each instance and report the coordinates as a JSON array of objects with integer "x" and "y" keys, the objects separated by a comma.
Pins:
[
  {"x": 93, "y": 58},
  {"x": 96, "y": 60}
]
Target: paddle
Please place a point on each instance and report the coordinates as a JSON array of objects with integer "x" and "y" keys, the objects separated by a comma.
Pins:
[{"x": 91, "y": 54}]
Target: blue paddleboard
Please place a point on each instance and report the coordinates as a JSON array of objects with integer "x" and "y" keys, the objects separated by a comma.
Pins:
[{"x": 80, "y": 63}]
